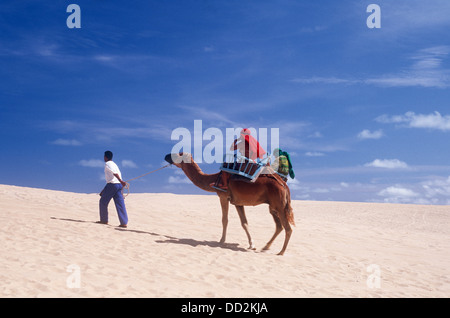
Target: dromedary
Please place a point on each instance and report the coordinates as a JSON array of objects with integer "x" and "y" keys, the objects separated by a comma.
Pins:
[{"x": 267, "y": 189}]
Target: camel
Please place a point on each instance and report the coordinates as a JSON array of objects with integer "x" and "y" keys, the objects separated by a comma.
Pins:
[{"x": 269, "y": 189}]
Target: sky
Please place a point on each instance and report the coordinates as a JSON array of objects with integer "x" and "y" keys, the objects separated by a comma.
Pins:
[{"x": 364, "y": 112}]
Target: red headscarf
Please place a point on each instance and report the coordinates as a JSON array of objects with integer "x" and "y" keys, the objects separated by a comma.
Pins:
[{"x": 255, "y": 149}]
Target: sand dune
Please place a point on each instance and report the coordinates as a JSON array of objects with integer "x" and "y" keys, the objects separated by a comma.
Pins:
[{"x": 51, "y": 247}]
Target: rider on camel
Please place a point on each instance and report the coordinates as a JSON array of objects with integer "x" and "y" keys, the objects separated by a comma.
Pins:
[{"x": 249, "y": 147}]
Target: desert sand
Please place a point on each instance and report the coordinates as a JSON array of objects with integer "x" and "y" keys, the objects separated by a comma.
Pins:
[{"x": 52, "y": 247}]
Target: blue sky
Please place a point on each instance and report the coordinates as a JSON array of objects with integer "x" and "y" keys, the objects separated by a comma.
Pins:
[{"x": 363, "y": 112}]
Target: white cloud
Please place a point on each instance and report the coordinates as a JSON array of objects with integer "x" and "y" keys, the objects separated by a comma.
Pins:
[
  {"x": 129, "y": 164},
  {"x": 426, "y": 70},
  {"x": 314, "y": 29},
  {"x": 420, "y": 185},
  {"x": 387, "y": 164},
  {"x": 314, "y": 154},
  {"x": 367, "y": 134},
  {"x": 90, "y": 130},
  {"x": 66, "y": 142},
  {"x": 104, "y": 58},
  {"x": 294, "y": 184},
  {"x": 418, "y": 14},
  {"x": 396, "y": 191},
  {"x": 207, "y": 115},
  {"x": 208, "y": 49},
  {"x": 437, "y": 189},
  {"x": 398, "y": 194},
  {"x": 302, "y": 196},
  {"x": 321, "y": 190},
  {"x": 324, "y": 80},
  {"x": 412, "y": 120},
  {"x": 409, "y": 79},
  {"x": 316, "y": 134},
  {"x": 92, "y": 163},
  {"x": 176, "y": 180}
]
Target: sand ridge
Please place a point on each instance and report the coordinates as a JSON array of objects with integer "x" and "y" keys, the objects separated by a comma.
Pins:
[{"x": 52, "y": 247}]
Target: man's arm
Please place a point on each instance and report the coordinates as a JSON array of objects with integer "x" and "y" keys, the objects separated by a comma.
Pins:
[{"x": 120, "y": 180}]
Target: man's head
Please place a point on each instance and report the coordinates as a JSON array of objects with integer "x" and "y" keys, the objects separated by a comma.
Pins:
[{"x": 108, "y": 155}]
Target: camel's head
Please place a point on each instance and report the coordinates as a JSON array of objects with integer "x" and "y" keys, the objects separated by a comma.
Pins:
[{"x": 178, "y": 159}]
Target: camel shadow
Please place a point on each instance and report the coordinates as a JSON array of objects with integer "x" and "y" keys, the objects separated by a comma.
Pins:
[
  {"x": 195, "y": 243},
  {"x": 188, "y": 241},
  {"x": 170, "y": 239}
]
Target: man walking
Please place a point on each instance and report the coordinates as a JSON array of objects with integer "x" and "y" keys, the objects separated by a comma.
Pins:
[{"x": 112, "y": 190}]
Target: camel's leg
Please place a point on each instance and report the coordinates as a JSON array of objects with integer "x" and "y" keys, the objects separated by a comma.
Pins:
[
  {"x": 244, "y": 223},
  {"x": 278, "y": 229},
  {"x": 225, "y": 204},
  {"x": 288, "y": 232}
]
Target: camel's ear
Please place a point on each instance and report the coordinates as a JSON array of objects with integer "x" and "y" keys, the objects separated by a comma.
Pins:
[{"x": 168, "y": 158}]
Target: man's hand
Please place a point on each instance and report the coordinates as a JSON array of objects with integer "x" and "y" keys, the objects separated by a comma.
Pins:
[{"x": 123, "y": 183}]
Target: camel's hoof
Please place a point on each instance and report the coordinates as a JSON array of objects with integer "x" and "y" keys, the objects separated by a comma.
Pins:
[
  {"x": 280, "y": 254},
  {"x": 251, "y": 247}
]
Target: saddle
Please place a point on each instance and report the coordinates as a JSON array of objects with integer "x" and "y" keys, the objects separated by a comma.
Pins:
[
  {"x": 244, "y": 167},
  {"x": 246, "y": 170}
]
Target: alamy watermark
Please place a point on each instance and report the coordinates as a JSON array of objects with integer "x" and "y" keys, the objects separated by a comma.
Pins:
[
  {"x": 374, "y": 279},
  {"x": 211, "y": 145},
  {"x": 74, "y": 279},
  {"x": 73, "y": 21},
  {"x": 373, "y": 21}
]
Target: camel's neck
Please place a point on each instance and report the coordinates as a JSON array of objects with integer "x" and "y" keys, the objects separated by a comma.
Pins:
[{"x": 196, "y": 175}]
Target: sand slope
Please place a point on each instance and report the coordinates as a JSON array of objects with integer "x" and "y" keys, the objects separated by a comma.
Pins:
[{"x": 50, "y": 243}]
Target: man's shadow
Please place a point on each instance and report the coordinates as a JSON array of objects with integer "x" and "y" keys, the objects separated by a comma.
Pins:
[{"x": 71, "y": 220}]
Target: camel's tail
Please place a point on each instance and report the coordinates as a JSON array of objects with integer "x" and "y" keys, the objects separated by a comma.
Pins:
[{"x": 288, "y": 209}]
